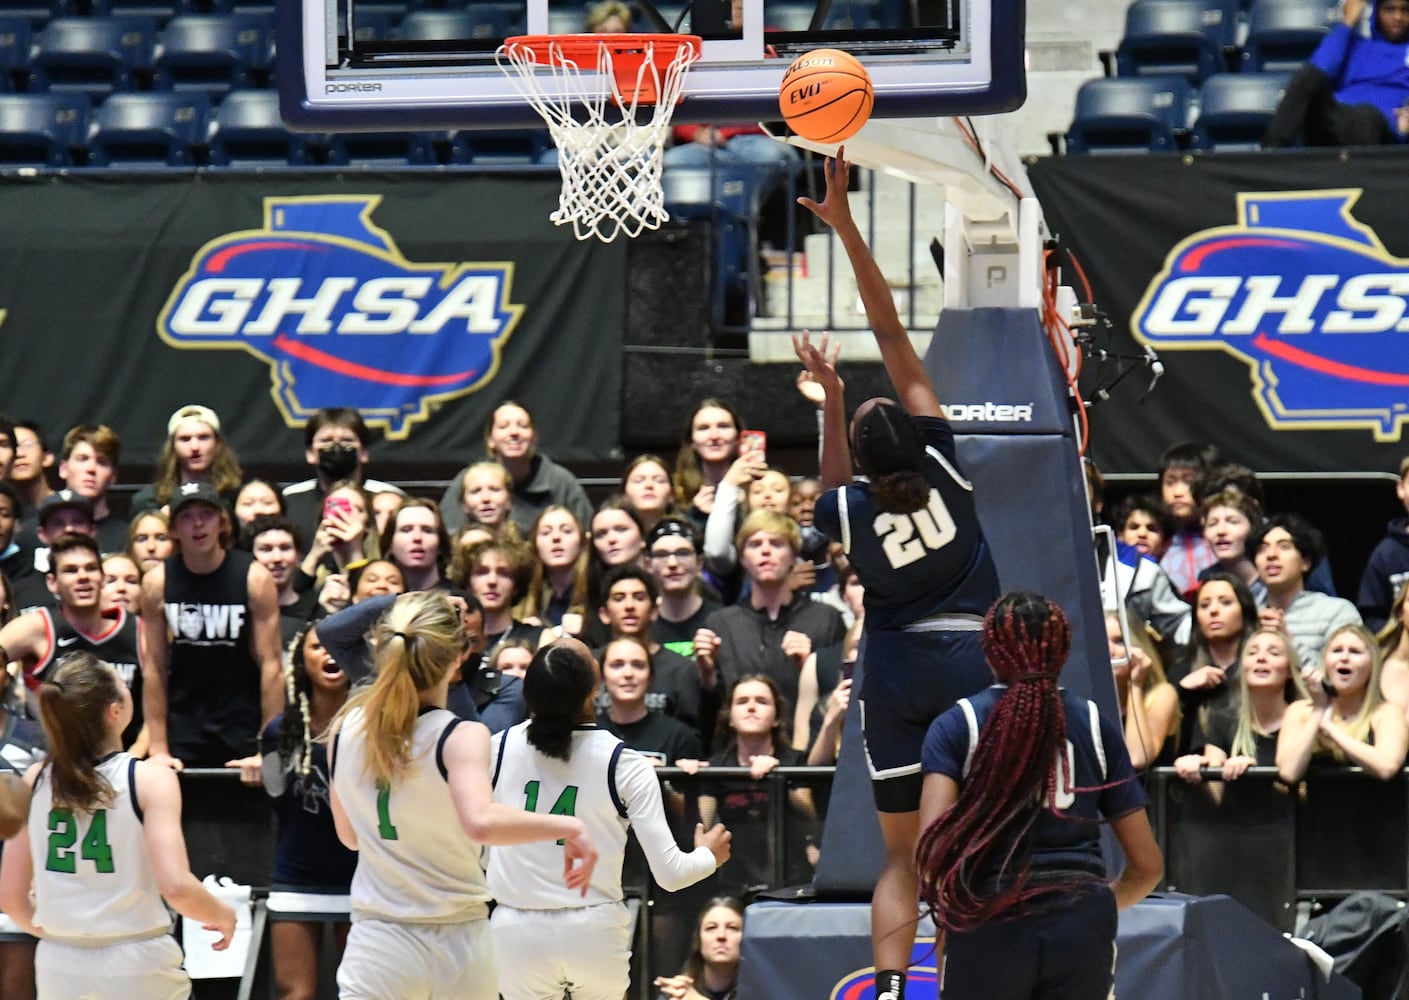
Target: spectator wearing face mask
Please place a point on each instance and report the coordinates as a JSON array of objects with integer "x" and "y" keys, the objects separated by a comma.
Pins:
[{"x": 335, "y": 442}]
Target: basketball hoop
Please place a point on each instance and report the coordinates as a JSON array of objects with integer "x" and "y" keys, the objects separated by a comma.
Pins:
[{"x": 590, "y": 98}]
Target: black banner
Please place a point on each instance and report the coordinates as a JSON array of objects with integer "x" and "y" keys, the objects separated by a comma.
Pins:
[
  {"x": 422, "y": 299},
  {"x": 1273, "y": 288}
]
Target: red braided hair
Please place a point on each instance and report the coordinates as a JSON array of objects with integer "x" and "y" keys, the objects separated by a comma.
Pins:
[{"x": 973, "y": 860}]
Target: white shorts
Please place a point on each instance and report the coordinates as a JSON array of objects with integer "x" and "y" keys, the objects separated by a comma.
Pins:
[
  {"x": 585, "y": 950},
  {"x": 386, "y": 960},
  {"x": 141, "y": 970}
]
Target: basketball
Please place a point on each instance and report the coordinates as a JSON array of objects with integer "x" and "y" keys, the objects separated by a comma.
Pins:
[
  {"x": 14, "y": 805},
  {"x": 826, "y": 95}
]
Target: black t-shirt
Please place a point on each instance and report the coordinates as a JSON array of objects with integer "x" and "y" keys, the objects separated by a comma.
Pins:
[
  {"x": 657, "y": 737},
  {"x": 293, "y": 617},
  {"x": 116, "y": 646},
  {"x": 675, "y": 687},
  {"x": 213, "y": 684},
  {"x": 679, "y": 637}
]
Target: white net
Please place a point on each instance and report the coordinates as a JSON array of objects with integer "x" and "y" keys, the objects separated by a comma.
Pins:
[{"x": 610, "y": 162}]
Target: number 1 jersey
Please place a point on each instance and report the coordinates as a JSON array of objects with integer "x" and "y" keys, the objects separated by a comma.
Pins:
[{"x": 913, "y": 566}]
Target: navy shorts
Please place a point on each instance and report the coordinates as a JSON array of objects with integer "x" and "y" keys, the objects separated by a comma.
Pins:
[
  {"x": 1062, "y": 953},
  {"x": 909, "y": 679}
]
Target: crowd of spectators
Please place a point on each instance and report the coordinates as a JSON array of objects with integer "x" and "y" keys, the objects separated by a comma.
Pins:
[{"x": 725, "y": 627}]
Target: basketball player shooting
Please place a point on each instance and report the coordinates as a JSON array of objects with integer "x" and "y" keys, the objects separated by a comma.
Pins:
[{"x": 912, "y": 534}]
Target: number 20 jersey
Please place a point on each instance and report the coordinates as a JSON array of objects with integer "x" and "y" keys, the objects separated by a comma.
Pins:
[{"x": 913, "y": 566}]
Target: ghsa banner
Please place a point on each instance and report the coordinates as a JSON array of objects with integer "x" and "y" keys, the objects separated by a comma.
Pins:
[
  {"x": 326, "y": 298},
  {"x": 921, "y": 979},
  {"x": 1307, "y": 297}
]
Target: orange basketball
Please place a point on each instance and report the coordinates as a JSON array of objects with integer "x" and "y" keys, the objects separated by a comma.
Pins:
[{"x": 826, "y": 95}]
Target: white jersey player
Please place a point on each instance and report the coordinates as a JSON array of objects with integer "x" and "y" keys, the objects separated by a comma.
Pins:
[
  {"x": 103, "y": 847},
  {"x": 411, "y": 794},
  {"x": 549, "y": 939}
]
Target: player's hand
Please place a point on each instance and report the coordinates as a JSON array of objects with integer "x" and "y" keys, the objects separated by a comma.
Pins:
[
  {"x": 1203, "y": 678},
  {"x": 166, "y": 760},
  {"x": 820, "y": 361},
  {"x": 674, "y": 987},
  {"x": 835, "y": 209},
  {"x": 797, "y": 646},
  {"x": 717, "y": 839},
  {"x": 251, "y": 769},
  {"x": 225, "y": 927},
  {"x": 579, "y": 859}
]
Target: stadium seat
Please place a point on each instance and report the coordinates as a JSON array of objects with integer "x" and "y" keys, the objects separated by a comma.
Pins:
[
  {"x": 1282, "y": 34},
  {"x": 159, "y": 11},
  {"x": 36, "y": 12},
  {"x": 42, "y": 129},
  {"x": 436, "y": 26},
  {"x": 500, "y": 147},
  {"x": 247, "y": 131},
  {"x": 1173, "y": 38},
  {"x": 212, "y": 53},
  {"x": 152, "y": 129},
  {"x": 95, "y": 55},
  {"x": 15, "y": 34},
  {"x": 1129, "y": 115},
  {"x": 381, "y": 149},
  {"x": 1234, "y": 109}
]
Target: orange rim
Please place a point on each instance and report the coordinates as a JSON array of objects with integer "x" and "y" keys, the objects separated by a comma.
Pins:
[{"x": 627, "y": 53}]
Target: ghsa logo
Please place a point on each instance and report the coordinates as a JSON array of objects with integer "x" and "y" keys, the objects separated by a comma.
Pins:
[
  {"x": 342, "y": 318},
  {"x": 1307, "y": 296},
  {"x": 921, "y": 980}
]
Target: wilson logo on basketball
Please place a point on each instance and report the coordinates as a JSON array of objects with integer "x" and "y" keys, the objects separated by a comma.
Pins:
[
  {"x": 1307, "y": 297},
  {"x": 342, "y": 318}
]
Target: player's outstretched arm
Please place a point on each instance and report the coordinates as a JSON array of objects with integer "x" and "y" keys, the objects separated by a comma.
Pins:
[
  {"x": 820, "y": 360},
  {"x": 489, "y": 822},
  {"x": 903, "y": 365},
  {"x": 159, "y": 792}
]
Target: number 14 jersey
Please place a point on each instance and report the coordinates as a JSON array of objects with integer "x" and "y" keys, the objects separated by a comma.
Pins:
[{"x": 913, "y": 566}]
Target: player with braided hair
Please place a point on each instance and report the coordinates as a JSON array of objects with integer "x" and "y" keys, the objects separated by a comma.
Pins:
[
  {"x": 552, "y": 938},
  {"x": 310, "y": 864},
  {"x": 910, "y": 528},
  {"x": 1018, "y": 779}
]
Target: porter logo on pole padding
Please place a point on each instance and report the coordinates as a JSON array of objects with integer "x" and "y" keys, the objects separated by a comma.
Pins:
[
  {"x": 1307, "y": 296},
  {"x": 326, "y": 298}
]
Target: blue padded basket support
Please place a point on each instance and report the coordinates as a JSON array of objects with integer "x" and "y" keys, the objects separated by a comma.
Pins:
[{"x": 1019, "y": 470}]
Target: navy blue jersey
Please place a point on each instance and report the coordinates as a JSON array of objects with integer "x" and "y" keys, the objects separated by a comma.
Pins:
[
  {"x": 934, "y": 561},
  {"x": 1096, "y": 750},
  {"x": 309, "y": 854}
]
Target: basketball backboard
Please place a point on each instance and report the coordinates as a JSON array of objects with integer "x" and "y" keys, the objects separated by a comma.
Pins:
[{"x": 347, "y": 65}]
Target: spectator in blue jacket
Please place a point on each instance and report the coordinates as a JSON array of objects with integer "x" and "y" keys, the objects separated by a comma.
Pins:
[
  {"x": 1353, "y": 90},
  {"x": 1388, "y": 568}
]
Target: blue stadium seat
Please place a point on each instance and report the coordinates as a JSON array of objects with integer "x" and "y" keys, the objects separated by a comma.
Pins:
[
  {"x": 42, "y": 129},
  {"x": 1234, "y": 109},
  {"x": 15, "y": 34},
  {"x": 381, "y": 148},
  {"x": 36, "y": 12},
  {"x": 212, "y": 53},
  {"x": 1129, "y": 115},
  {"x": 95, "y": 55},
  {"x": 247, "y": 131},
  {"x": 1282, "y": 34},
  {"x": 436, "y": 25},
  {"x": 1173, "y": 38},
  {"x": 149, "y": 129},
  {"x": 501, "y": 147}
]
